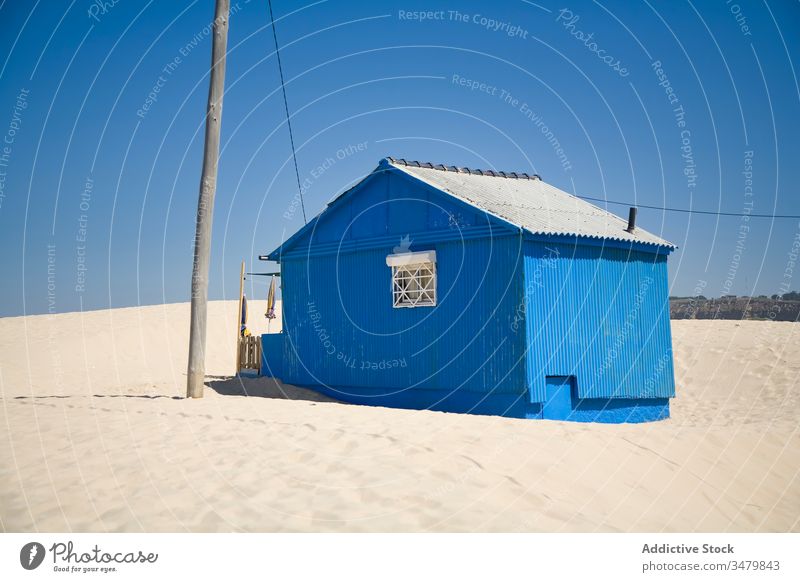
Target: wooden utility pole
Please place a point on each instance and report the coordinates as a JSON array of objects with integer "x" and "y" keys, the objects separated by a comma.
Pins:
[
  {"x": 239, "y": 322},
  {"x": 205, "y": 206}
]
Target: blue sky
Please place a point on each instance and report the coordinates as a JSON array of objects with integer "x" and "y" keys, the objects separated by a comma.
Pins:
[{"x": 669, "y": 104}]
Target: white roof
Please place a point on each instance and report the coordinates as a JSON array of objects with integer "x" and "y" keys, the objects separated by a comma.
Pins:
[{"x": 527, "y": 202}]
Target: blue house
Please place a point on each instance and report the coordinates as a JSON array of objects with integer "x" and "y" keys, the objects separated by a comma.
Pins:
[{"x": 435, "y": 287}]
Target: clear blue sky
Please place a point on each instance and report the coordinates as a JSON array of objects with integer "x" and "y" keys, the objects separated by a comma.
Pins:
[{"x": 99, "y": 183}]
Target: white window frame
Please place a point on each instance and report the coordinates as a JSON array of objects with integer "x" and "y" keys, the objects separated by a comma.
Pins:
[{"x": 413, "y": 279}]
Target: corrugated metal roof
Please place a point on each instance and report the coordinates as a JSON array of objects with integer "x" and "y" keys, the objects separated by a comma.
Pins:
[{"x": 526, "y": 201}]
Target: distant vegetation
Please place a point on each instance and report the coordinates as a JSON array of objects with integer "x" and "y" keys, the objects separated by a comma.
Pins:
[{"x": 784, "y": 307}]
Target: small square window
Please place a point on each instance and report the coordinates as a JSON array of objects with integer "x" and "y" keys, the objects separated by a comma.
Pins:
[{"x": 413, "y": 279}]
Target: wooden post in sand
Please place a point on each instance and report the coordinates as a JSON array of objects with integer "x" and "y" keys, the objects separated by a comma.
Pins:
[
  {"x": 239, "y": 323},
  {"x": 205, "y": 206}
]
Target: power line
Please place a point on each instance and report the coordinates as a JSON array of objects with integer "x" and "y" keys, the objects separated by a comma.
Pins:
[
  {"x": 690, "y": 210},
  {"x": 286, "y": 107}
]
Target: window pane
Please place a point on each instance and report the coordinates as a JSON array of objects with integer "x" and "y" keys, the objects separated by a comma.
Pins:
[{"x": 414, "y": 285}]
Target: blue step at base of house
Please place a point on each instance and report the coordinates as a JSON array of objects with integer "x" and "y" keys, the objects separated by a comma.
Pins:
[{"x": 619, "y": 410}]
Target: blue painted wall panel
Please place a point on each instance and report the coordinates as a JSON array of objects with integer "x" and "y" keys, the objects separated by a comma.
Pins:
[
  {"x": 558, "y": 397},
  {"x": 272, "y": 354},
  {"x": 331, "y": 229},
  {"x": 601, "y": 315},
  {"x": 368, "y": 212},
  {"x": 342, "y": 330}
]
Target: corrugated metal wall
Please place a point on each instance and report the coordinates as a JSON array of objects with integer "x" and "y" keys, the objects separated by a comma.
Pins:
[
  {"x": 600, "y": 314},
  {"x": 341, "y": 329}
]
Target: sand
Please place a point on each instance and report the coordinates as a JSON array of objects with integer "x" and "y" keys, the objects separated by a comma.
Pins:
[{"x": 95, "y": 436}]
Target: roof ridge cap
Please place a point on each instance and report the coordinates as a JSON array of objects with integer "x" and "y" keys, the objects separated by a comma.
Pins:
[{"x": 462, "y": 170}]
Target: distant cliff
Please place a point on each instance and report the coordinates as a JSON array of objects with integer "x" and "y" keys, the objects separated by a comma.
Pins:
[{"x": 775, "y": 308}]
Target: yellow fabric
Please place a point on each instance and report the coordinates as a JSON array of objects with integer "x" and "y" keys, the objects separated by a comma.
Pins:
[{"x": 270, "y": 313}]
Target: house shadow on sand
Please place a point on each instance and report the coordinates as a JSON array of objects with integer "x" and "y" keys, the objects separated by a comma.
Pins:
[{"x": 262, "y": 387}]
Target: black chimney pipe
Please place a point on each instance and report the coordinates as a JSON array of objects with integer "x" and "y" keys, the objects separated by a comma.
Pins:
[{"x": 631, "y": 219}]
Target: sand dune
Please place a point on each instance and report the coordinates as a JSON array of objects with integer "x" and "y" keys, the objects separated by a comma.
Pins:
[{"x": 96, "y": 436}]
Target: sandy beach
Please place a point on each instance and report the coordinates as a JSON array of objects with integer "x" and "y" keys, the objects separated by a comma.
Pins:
[{"x": 96, "y": 436}]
